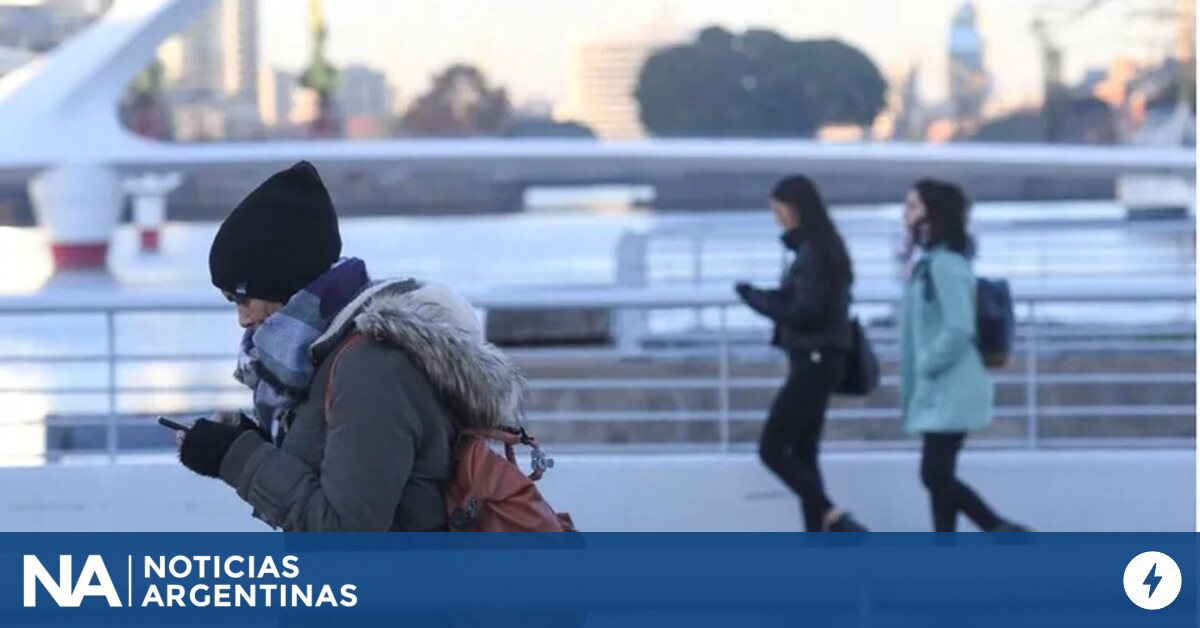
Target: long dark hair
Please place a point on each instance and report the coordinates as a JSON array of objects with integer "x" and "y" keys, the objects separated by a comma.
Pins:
[
  {"x": 946, "y": 211},
  {"x": 800, "y": 195}
]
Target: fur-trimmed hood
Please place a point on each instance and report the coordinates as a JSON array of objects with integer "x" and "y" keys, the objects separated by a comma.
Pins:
[{"x": 441, "y": 333}]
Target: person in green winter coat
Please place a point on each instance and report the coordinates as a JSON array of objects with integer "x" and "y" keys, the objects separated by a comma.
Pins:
[{"x": 946, "y": 391}]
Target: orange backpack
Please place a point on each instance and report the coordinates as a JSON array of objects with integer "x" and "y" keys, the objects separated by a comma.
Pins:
[{"x": 489, "y": 493}]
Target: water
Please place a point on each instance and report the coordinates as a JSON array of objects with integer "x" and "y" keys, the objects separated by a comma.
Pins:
[
  {"x": 578, "y": 249},
  {"x": 494, "y": 252}
]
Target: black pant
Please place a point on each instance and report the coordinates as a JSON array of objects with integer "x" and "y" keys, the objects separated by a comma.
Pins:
[
  {"x": 947, "y": 495},
  {"x": 792, "y": 435}
]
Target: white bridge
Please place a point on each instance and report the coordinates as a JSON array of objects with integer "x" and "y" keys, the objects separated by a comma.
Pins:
[{"x": 59, "y": 124}]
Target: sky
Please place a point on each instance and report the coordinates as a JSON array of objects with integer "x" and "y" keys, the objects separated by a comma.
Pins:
[{"x": 528, "y": 45}]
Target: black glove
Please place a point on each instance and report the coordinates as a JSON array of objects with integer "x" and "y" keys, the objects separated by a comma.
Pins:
[
  {"x": 248, "y": 423},
  {"x": 205, "y": 446}
]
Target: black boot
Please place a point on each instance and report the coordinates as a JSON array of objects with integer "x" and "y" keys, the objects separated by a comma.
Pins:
[{"x": 844, "y": 523}]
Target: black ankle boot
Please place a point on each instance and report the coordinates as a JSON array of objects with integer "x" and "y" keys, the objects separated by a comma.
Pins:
[{"x": 845, "y": 523}]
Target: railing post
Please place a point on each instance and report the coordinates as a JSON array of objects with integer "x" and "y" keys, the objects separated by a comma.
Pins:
[
  {"x": 698, "y": 274},
  {"x": 723, "y": 384},
  {"x": 1032, "y": 387},
  {"x": 110, "y": 440},
  {"x": 631, "y": 273}
]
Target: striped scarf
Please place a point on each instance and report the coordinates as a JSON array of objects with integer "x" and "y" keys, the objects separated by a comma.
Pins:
[{"x": 274, "y": 360}]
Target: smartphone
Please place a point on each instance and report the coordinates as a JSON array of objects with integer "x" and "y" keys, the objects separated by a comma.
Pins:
[{"x": 175, "y": 425}]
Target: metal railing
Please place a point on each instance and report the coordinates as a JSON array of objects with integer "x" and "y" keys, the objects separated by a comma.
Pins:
[
  {"x": 704, "y": 382},
  {"x": 698, "y": 253}
]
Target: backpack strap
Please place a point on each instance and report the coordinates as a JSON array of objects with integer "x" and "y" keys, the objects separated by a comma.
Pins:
[
  {"x": 511, "y": 437},
  {"x": 920, "y": 272},
  {"x": 350, "y": 341}
]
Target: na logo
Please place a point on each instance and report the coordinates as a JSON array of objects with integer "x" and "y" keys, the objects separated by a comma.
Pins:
[{"x": 93, "y": 581}]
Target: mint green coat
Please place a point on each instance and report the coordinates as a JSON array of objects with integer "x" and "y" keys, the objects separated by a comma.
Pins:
[{"x": 945, "y": 386}]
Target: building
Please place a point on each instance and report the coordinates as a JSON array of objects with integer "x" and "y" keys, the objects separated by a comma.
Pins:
[
  {"x": 218, "y": 53},
  {"x": 26, "y": 27},
  {"x": 71, "y": 16},
  {"x": 242, "y": 120},
  {"x": 903, "y": 117},
  {"x": 192, "y": 59},
  {"x": 40, "y": 25},
  {"x": 239, "y": 42},
  {"x": 969, "y": 82},
  {"x": 277, "y": 96},
  {"x": 365, "y": 101},
  {"x": 211, "y": 72},
  {"x": 534, "y": 117},
  {"x": 306, "y": 107},
  {"x": 13, "y": 58},
  {"x": 363, "y": 92},
  {"x": 197, "y": 120},
  {"x": 605, "y": 80},
  {"x": 1186, "y": 51},
  {"x": 201, "y": 119},
  {"x": 78, "y": 12},
  {"x": 534, "y": 107},
  {"x": 276, "y": 91}
]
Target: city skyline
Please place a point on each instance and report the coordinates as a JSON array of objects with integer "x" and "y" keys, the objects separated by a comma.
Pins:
[{"x": 533, "y": 56}]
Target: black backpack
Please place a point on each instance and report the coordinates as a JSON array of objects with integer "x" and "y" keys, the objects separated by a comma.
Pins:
[{"x": 995, "y": 319}]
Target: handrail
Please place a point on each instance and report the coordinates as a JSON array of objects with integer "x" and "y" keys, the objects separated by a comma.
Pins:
[
  {"x": 1058, "y": 290},
  {"x": 718, "y": 346},
  {"x": 851, "y": 225}
]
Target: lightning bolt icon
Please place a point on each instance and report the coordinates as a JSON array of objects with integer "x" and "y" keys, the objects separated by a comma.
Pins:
[{"x": 1152, "y": 580}]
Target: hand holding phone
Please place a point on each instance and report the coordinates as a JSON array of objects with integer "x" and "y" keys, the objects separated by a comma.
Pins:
[{"x": 175, "y": 425}]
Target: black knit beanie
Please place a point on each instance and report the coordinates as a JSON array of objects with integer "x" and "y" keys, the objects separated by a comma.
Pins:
[{"x": 279, "y": 239}]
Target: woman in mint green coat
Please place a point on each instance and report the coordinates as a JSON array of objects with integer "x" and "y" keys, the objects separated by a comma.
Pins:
[{"x": 946, "y": 390}]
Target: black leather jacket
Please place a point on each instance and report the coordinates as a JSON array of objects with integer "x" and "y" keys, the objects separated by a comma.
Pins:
[{"x": 811, "y": 309}]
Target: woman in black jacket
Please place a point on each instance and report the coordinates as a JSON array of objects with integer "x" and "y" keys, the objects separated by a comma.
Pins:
[{"x": 811, "y": 312}]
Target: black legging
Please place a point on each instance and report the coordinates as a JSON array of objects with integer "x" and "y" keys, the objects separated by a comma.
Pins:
[
  {"x": 792, "y": 436},
  {"x": 947, "y": 494}
]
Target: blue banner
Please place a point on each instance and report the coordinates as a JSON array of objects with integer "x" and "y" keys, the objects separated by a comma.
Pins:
[{"x": 571, "y": 581}]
